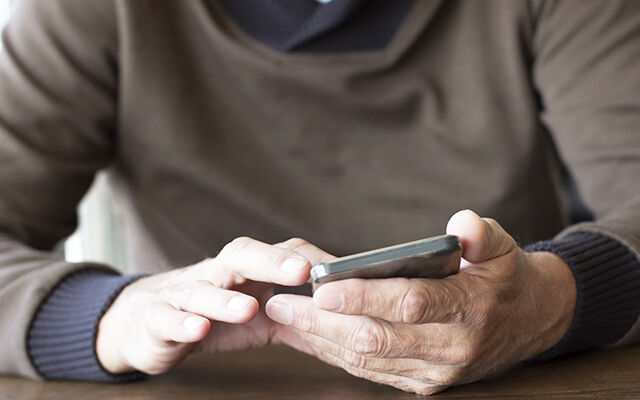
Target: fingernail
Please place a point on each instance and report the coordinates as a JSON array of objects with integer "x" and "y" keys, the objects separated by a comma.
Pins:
[
  {"x": 192, "y": 324},
  {"x": 293, "y": 264},
  {"x": 329, "y": 300},
  {"x": 280, "y": 312},
  {"x": 238, "y": 303}
]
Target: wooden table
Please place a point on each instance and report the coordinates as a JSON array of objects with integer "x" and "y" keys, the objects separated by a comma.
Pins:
[{"x": 281, "y": 373}]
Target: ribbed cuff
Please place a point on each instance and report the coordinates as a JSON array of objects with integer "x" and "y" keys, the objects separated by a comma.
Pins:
[
  {"x": 61, "y": 340},
  {"x": 608, "y": 282}
]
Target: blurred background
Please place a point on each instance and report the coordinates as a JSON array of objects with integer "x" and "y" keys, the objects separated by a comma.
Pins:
[
  {"x": 99, "y": 236},
  {"x": 5, "y": 10}
]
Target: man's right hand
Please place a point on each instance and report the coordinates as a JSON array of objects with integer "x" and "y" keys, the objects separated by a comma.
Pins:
[{"x": 156, "y": 321}]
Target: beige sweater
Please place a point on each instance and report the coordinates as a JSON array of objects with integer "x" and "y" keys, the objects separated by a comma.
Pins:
[{"x": 207, "y": 135}]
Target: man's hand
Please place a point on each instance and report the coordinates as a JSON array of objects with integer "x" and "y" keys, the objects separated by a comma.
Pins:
[
  {"x": 423, "y": 335},
  {"x": 156, "y": 321}
]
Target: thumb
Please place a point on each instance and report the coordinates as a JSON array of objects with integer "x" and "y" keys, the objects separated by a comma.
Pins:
[{"x": 482, "y": 238}]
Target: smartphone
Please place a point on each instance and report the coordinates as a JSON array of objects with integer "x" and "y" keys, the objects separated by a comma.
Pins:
[{"x": 435, "y": 257}]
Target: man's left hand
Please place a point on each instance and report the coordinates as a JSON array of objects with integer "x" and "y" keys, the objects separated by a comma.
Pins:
[{"x": 423, "y": 335}]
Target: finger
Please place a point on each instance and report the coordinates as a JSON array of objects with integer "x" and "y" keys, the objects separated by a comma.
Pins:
[
  {"x": 412, "y": 301},
  {"x": 405, "y": 383},
  {"x": 166, "y": 323},
  {"x": 246, "y": 258},
  {"x": 214, "y": 303},
  {"x": 309, "y": 251},
  {"x": 482, "y": 238},
  {"x": 399, "y": 382},
  {"x": 413, "y": 369},
  {"x": 283, "y": 335},
  {"x": 361, "y": 334}
]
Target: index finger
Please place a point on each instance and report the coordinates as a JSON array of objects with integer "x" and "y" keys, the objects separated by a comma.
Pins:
[
  {"x": 311, "y": 252},
  {"x": 411, "y": 301},
  {"x": 249, "y": 259}
]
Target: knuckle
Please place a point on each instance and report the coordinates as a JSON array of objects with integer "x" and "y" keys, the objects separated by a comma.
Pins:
[
  {"x": 194, "y": 293},
  {"x": 435, "y": 354},
  {"x": 486, "y": 312},
  {"x": 491, "y": 222},
  {"x": 306, "y": 322},
  {"x": 234, "y": 246},
  {"x": 369, "y": 339},
  {"x": 169, "y": 293},
  {"x": 485, "y": 228},
  {"x": 274, "y": 257},
  {"x": 355, "y": 360},
  {"x": 494, "y": 231},
  {"x": 203, "y": 266},
  {"x": 241, "y": 241},
  {"x": 355, "y": 297},
  {"x": 413, "y": 306},
  {"x": 442, "y": 303},
  {"x": 491, "y": 228},
  {"x": 203, "y": 269},
  {"x": 277, "y": 257},
  {"x": 296, "y": 242},
  {"x": 464, "y": 356}
]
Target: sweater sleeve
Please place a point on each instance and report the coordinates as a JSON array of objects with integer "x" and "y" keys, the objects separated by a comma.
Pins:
[
  {"x": 607, "y": 278},
  {"x": 58, "y": 89},
  {"x": 61, "y": 341},
  {"x": 585, "y": 68}
]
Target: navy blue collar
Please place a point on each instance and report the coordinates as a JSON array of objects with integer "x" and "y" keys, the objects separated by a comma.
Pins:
[{"x": 310, "y": 26}]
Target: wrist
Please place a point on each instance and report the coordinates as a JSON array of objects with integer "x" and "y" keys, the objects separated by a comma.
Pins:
[
  {"x": 555, "y": 297},
  {"x": 108, "y": 340}
]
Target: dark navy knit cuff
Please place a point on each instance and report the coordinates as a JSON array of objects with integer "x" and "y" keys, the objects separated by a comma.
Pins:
[
  {"x": 608, "y": 282},
  {"x": 61, "y": 340}
]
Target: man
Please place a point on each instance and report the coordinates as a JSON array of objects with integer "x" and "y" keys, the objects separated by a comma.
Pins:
[{"x": 352, "y": 124}]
